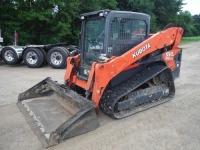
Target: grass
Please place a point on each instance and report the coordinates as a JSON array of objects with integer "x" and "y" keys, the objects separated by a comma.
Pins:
[{"x": 186, "y": 40}]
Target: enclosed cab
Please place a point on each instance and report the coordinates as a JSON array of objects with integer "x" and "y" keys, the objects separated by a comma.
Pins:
[{"x": 110, "y": 33}]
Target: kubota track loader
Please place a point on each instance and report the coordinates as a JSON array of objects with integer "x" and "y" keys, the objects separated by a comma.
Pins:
[{"x": 121, "y": 68}]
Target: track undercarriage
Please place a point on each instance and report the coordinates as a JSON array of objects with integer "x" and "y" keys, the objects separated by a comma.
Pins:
[{"x": 149, "y": 88}]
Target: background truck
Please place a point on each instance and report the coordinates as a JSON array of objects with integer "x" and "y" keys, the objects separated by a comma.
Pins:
[
  {"x": 54, "y": 54},
  {"x": 10, "y": 54},
  {"x": 121, "y": 69},
  {"x": 35, "y": 56}
]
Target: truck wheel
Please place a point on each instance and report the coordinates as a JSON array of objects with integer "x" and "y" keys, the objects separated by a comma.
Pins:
[
  {"x": 56, "y": 57},
  {"x": 33, "y": 57},
  {"x": 10, "y": 57}
]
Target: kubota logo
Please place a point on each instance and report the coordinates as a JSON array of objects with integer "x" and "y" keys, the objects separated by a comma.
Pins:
[{"x": 141, "y": 50}]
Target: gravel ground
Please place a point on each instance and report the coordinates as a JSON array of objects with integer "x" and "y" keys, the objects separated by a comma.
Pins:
[{"x": 173, "y": 125}]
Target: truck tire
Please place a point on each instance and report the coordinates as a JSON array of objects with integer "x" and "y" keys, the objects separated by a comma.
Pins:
[
  {"x": 56, "y": 57},
  {"x": 10, "y": 57},
  {"x": 33, "y": 57}
]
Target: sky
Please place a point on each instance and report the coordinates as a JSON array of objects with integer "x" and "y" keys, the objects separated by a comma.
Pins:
[{"x": 193, "y": 6}]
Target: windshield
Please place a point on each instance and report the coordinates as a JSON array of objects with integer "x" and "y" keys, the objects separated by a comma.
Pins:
[{"x": 93, "y": 41}]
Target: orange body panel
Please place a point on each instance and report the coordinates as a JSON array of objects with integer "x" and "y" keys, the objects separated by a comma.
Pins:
[
  {"x": 168, "y": 57},
  {"x": 102, "y": 73}
]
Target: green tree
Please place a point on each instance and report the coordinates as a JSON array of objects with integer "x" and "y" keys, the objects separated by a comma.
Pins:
[
  {"x": 166, "y": 11},
  {"x": 186, "y": 21},
  {"x": 44, "y": 21},
  {"x": 53, "y": 21},
  {"x": 142, "y": 6},
  {"x": 196, "y": 19},
  {"x": 8, "y": 20},
  {"x": 63, "y": 21},
  {"x": 88, "y": 6},
  {"x": 34, "y": 17}
]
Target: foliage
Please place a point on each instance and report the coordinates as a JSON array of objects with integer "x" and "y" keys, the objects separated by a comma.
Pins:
[
  {"x": 166, "y": 11},
  {"x": 190, "y": 39},
  {"x": 8, "y": 20},
  {"x": 142, "y": 6},
  {"x": 186, "y": 21},
  {"x": 53, "y": 21},
  {"x": 197, "y": 24}
]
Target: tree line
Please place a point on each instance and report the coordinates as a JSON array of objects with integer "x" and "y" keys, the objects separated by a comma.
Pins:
[{"x": 57, "y": 21}]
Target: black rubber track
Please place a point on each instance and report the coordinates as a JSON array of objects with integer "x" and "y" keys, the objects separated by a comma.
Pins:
[{"x": 112, "y": 96}]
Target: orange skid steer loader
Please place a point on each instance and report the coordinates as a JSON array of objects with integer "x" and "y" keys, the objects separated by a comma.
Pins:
[{"x": 121, "y": 68}]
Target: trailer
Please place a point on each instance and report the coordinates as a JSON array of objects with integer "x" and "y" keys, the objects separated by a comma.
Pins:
[
  {"x": 35, "y": 56},
  {"x": 11, "y": 54},
  {"x": 55, "y": 55}
]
